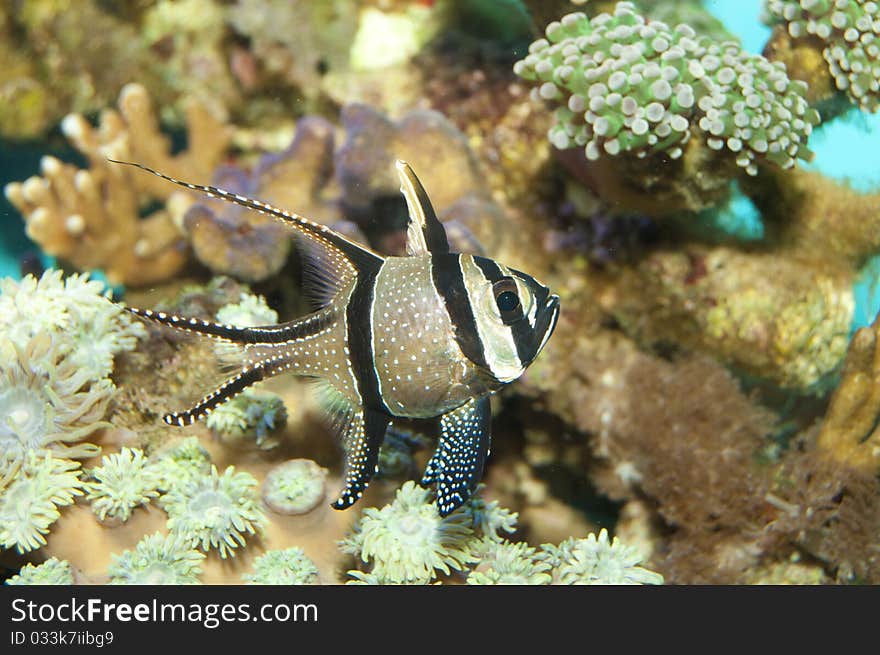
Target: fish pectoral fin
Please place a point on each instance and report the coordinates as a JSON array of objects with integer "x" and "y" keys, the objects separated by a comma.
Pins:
[
  {"x": 457, "y": 464},
  {"x": 362, "y": 435},
  {"x": 425, "y": 233}
]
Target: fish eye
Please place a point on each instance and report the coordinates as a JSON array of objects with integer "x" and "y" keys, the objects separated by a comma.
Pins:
[{"x": 507, "y": 300}]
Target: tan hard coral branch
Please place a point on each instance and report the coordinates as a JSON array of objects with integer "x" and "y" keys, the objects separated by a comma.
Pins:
[
  {"x": 90, "y": 218},
  {"x": 851, "y": 430}
]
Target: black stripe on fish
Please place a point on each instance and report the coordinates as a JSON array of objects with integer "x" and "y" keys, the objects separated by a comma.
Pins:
[
  {"x": 449, "y": 280},
  {"x": 359, "y": 325},
  {"x": 522, "y": 332},
  {"x": 362, "y": 437}
]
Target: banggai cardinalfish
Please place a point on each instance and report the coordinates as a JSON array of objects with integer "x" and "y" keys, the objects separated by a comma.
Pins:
[{"x": 431, "y": 334}]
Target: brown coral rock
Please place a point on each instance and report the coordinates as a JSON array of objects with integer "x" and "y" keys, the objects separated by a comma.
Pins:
[
  {"x": 851, "y": 431},
  {"x": 91, "y": 218},
  {"x": 777, "y": 318}
]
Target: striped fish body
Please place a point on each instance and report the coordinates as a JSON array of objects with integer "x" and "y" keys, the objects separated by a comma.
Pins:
[{"x": 428, "y": 335}]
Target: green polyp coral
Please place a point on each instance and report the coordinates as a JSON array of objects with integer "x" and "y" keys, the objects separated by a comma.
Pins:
[
  {"x": 295, "y": 487},
  {"x": 508, "y": 563},
  {"x": 254, "y": 413},
  {"x": 251, "y": 310},
  {"x": 122, "y": 482},
  {"x": 180, "y": 463},
  {"x": 623, "y": 85},
  {"x": 597, "y": 561},
  {"x": 849, "y": 34},
  {"x": 283, "y": 567},
  {"x": 51, "y": 572},
  {"x": 158, "y": 559},
  {"x": 47, "y": 401},
  {"x": 30, "y": 501},
  {"x": 408, "y": 542},
  {"x": 490, "y": 518},
  {"x": 215, "y": 511},
  {"x": 85, "y": 325}
]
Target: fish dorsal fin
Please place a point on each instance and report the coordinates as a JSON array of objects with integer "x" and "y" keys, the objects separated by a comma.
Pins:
[
  {"x": 336, "y": 259},
  {"x": 425, "y": 233}
]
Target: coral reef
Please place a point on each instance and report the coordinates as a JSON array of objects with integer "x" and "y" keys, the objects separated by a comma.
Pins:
[
  {"x": 90, "y": 218},
  {"x": 49, "y": 402},
  {"x": 123, "y": 481},
  {"x": 845, "y": 33},
  {"x": 505, "y": 563},
  {"x": 706, "y": 411},
  {"x": 254, "y": 414},
  {"x": 295, "y": 487},
  {"x": 624, "y": 88},
  {"x": 642, "y": 88},
  {"x": 84, "y": 325},
  {"x": 283, "y": 567},
  {"x": 249, "y": 246},
  {"x": 407, "y": 542},
  {"x": 29, "y": 504},
  {"x": 849, "y": 432},
  {"x": 777, "y": 319},
  {"x": 51, "y": 572},
  {"x": 597, "y": 560},
  {"x": 158, "y": 559},
  {"x": 215, "y": 511}
]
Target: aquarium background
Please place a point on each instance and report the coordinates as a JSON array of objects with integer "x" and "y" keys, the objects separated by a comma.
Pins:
[{"x": 698, "y": 181}]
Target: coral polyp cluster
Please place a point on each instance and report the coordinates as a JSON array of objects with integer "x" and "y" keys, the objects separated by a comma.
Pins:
[
  {"x": 215, "y": 511},
  {"x": 597, "y": 560},
  {"x": 123, "y": 481},
  {"x": 87, "y": 327},
  {"x": 295, "y": 487},
  {"x": 849, "y": 34},
  {"x": 283, "y": 567},
  {"x": 29, "y": 504},
  {"x": 51, "y": 572},
  {"x": 48, "y": 402},
  {"x": 622, "y": 84},
  {"x": 408, "y": 542},
  {"x": 158, "y": 559}
]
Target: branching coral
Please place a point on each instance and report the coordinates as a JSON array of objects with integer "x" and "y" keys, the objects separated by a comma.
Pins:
[
  {"x": 91, "y": 218},
  {"x": 158, "y": 559},
  {"x": 122, "y": 482},
  {"x": 597, "y": 560},
  {"x": 622, "y": 85},
  {"x": 848, "y": 32},
  {"x": 46, "y": 401},
  {"x": 254, "y": 413},
  {"x": 29, "y": 503},
  {"x": 85, "y": 325},
  {"x": 215, "y": 511},
  {"x": 51, "y": 572},
  {"x": 283, "y": 567},
  {"x": 295, "y": 487},
  {"x": 408, "y": 542}
]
